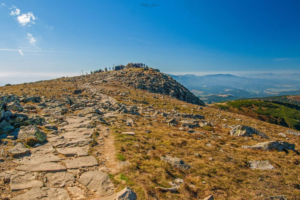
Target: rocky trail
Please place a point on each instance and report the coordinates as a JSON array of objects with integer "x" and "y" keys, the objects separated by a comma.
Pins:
[{"x": 65, "y": 166}]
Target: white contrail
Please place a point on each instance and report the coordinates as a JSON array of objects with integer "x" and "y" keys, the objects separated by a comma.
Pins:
[{"x": 21, "y": 52}]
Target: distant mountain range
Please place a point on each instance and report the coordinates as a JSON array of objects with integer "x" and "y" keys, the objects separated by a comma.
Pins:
[
  {"x": 294, "y": 76},
  {"x": 224, "y": 87}
]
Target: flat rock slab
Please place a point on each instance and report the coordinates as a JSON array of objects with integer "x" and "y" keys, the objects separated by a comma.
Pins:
[
  {"x": 25, "y": 184},
  {"x": 87, "y": 161},
  {"x": 24, "y": 180},
  {"x": 35, "y": 159},
  {"x": 98, "y": 182},
  {"x": 57, "y": 141},
  {"x": 43, "y": 149},
  {"x": 73, "y": 135},
  {"x": 44, "y": 194},
  {"x": 73, "y": 151},
  {"x": 262, "y": 165},
  {"x": 60, "y": 179},
  {"x": 43, "y": 167},
  {"x": 80, "y": 142}
]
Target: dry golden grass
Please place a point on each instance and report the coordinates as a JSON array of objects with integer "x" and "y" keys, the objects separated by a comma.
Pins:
[{"x": 220, "y": 169}]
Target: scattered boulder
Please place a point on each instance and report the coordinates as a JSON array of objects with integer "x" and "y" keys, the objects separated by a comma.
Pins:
[
  {"x": 262, "y": 165},
  {"x": 128, "y": 133},
  {"x": 273, "y": 145},
  {"x": 162, "y": 189},
  {"x": 279, "y": 197},
  {"x": 282, "y": 135},
  {"x": 246, "y": 131},
  {"x": 32, "y": 135},
  {"x": 77, "y": 91},
  {"x": 296, "y": 133},
  {"x": 15, "y": 106},
  {"x": 176, "y": 162}
]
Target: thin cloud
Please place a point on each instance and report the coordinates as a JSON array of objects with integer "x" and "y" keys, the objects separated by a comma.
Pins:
[
  {"x": 20, "y": 51},
  {"x": 281, "y": 59},
  {"x": 2, "y": 5},
  {"x": 15, "y": 12},
  {"x": 31, "y": 39}
]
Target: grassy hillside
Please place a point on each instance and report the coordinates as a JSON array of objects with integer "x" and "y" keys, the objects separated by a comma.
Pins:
[
  {"x": 293, "y": 99},
  {"x": 284, "y": 114}
]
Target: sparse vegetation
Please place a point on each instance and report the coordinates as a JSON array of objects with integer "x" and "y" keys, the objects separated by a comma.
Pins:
[{"x": 221, "y": 170}]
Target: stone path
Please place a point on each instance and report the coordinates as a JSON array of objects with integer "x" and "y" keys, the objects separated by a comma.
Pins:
[{"x": 62, "y": 168}]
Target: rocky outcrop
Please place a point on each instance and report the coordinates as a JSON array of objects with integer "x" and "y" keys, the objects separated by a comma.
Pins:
[
  {"x": 246, "y": 131},
  {"x": 152, "y": 81}
]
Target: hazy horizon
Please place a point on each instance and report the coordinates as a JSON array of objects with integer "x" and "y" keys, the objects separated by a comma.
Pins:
[{"x": 49, "y": 39}]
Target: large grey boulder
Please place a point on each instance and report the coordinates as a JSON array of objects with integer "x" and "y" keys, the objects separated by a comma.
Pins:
[
  {"x": 15, "y": 106},
  {"x": 176, "y": 162},
  {"x": 246, "y": 131},
  {"x": 273, "y": 145},
  {"x": 98, "y": 182},
  {"x": 32, "y": 132}
]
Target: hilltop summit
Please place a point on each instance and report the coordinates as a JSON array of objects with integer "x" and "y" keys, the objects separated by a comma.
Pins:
[{"x": 148, "y": 79}]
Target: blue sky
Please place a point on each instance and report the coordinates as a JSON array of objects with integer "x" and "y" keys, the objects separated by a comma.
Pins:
[{"x": 45, "y": 39}]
